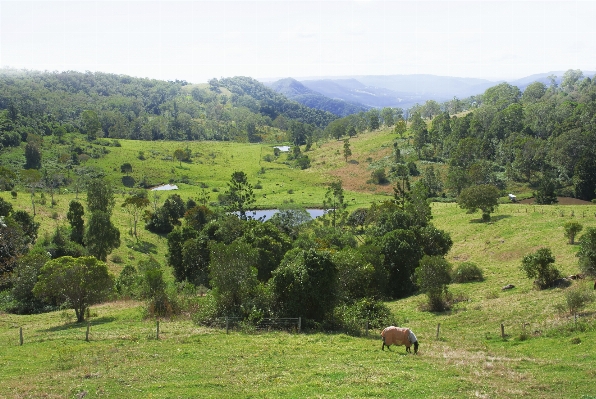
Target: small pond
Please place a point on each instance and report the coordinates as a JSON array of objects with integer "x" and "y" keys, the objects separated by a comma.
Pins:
[{"x": 267, "y": 213}]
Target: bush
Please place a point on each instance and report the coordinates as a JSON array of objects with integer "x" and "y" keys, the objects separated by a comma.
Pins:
[
  {"x": 467, "y": 272},
  {"x": 432, "y": 276},
  {"x": 576, "y": 299},
  {"x": 352, "y": 319},
  {"x": 539, "y": 265},
  {"x": 128, "y": 284}
]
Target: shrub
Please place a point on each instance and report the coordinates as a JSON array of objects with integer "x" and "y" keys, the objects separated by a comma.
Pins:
[
  {"x": 572, "y": 229},
  {"x": 432, "y": 276},
  {"x": 467, "y": 272},
  {"x": 587, "y": 252},
  {"x": 378, "y": 176},
  {"x": 353, "y": 318},
  {"x": 539, "y": 265},
  {"x": 576, "y": 299}
]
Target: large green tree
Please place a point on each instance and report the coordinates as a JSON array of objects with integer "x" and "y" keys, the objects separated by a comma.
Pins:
[
  {"x": 305, "y": 284},
  {"x": 101, "y": 236},
  {"x": 484, "y": 197},
  {"x": 77, "y": 282},
  {"x": 75, "y": 218}
]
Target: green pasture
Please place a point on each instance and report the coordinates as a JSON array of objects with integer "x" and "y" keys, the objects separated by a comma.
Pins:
[{"x": 544, "y": 354}]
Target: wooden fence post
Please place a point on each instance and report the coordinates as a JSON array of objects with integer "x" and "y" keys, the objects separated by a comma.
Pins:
[
  {"x": 438, "y": 330},
  {"x": 21, "y": 336},
  {"x": 157, "y": 329},
  {"x": 299, "y": 323},
  {"x": 87, "y": 333},
  {"x": 367, "y": 328},
  {"x": 502, "y": 331},
  {"x": 227, "y": 326}
]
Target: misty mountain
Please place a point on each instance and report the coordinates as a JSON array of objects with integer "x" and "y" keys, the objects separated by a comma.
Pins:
[
  {"x": 296, "y": 91},
  {"x": 404, "y": 91}
]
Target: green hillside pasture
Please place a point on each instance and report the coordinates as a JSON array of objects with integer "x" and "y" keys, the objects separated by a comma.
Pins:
[
  {"x": 212, "y": 166},
  {"x": 123, "y": 359}
]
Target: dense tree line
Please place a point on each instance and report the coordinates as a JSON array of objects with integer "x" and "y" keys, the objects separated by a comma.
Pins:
[
  {"x": 118, "y": 106},
  {"x": 542, "y": 137}
]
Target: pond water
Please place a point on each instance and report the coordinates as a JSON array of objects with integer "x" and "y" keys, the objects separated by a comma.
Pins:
[{"x": 267, "y": 213}]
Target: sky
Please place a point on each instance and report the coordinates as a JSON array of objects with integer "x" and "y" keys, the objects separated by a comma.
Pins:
[{"x": 199, "y": 40}]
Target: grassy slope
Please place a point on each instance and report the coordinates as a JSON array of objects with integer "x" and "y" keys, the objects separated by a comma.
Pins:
[{"x": 468, "y": 360}]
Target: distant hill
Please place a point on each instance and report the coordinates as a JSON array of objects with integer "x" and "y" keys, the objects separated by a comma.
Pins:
[
  {"x": 398, "y": 90},
  {"x": 296, "y": 91},
  {"x": 404, "y": 91}
]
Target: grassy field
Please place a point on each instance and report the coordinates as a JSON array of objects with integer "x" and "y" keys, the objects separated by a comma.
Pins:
[{"x": 544, "y": 354}]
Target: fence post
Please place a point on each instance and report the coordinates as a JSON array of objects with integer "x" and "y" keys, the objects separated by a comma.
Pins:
[
  {"x": 367, "y": 328},
  {"x": 438, "y": 330},
  {"x": 21, "y": 336},
  {"x": 87, "y": 333},
  {"x": 299, "y": 323},
  {"x": 157, "y": 329},
  {"x": 502, "y": 331},
  {"x": 227, "y": 325}
]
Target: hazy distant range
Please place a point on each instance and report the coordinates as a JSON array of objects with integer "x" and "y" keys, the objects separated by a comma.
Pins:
[{"x": 348, "y": 95}]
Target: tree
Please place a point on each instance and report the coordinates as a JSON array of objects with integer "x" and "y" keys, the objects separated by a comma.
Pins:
[
  {"x": 587, "y": 252},
  {"x": 24, "y": 279},
  {"x": 387, "y": 115},
  {"x": 373, "y": 119},
  {"x": 32, "y": 156},
  {"x": 75, "y": 218},
  {"x": 180, "y": 155},
  {"x": 78, "y": 282},
  {"x": 32, "y": 178},
  {"x": 571, "y": 230},
  {"x": 401, "y": 174},
  {"x": 545, "y": 195},
  {"x": 305, "y": 284},
  {"x": 126, "y": 168},
  {"x": 484, "y": 197},
  {"x": 432, "y": 180},
  {"x": 347, "y": 150},
  {"x": 7, "y": 179},
  {"x": 90, "y": 124},
  {"x": 433, "y": 274},
  {"x": 233, "y": 275},
  {"x": 539, "y": 266},
  {"x": 335, "y": 208},
  {"x": 402, "y": 252},
  {"x": 533, "y": 92},
  {"x": 290, "y": 219},
  {"x": 13, "y": 244},
  {"x": 101, "y": 237},
  {"x": 400, "y": 127},
  {"x": 134, "y": 205},
  {"x": 419, "y": 131},
  {"x": 100, "y": 196},
  {"x": 240, "y": 196},
  {"x": 337, "y": 128}
]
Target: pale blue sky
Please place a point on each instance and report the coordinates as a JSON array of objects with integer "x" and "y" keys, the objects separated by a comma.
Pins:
[{"x": 198, "y": 40}]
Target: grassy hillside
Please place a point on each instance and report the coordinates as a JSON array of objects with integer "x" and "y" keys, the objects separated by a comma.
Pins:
[
  {"x": 555, "y": 358},
  {"x": 545, "y": 353}
]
